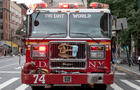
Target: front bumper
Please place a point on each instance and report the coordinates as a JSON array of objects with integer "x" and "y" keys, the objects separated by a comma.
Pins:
[{"x": 67, "y": 78}]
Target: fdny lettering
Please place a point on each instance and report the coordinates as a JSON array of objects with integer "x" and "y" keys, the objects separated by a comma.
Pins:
[
  {"x": 95, "y": 64},
  {"x": 81, "y": 15},
  {"x": 42, "y": 64},
  {"x": 54, "y": 15}
]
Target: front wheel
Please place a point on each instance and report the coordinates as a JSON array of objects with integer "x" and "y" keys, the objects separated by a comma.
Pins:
[
  {"x": 37, "y": 88},
  {"x": 100, "y": 87}
]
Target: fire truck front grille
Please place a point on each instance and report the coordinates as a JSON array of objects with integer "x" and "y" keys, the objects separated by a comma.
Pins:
[
  {"x": 67, "y": 65},
  {"x": 68, "y": 55}
]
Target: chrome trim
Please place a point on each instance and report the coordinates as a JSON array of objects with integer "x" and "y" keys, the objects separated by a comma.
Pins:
[
  {"x": 97, "y": 45},
  {"x": 69, "y": 59},
  {"x": 38, "y": 58},
  {"x": 91, "y": 76},
  {"x": 73, "y": 10},
  {"x": 66, "y": 85},
  {"x": 68, "y": 38}
]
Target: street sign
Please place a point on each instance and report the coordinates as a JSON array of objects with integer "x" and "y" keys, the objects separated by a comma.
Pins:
[{"x": 118, "y": 23}]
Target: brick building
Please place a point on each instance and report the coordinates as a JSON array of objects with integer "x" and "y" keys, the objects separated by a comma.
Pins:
[
  {"x": 11, "y": 18},
  {"x": 6, "y": 19}
]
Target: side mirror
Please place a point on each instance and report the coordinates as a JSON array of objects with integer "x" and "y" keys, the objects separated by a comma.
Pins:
[{"x": 36, "y": 23}]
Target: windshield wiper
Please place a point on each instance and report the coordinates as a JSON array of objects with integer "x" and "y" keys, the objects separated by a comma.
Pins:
[
  {"x": 51, "y": 34},
  {"x": 37, "y": 15},
  {"x": 86, "y": 34}
]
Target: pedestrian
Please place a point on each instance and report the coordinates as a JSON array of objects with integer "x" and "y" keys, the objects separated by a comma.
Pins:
[
  {"x": 21, "y": 51},
  {"x": 139, "y": 62},
  {"x": 4, "y": 52},
  {"x": 113, "y": 55}
]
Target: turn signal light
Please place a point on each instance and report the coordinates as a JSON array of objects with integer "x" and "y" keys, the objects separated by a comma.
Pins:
[
  {"x": 76, "y": 5},
  {"x": 93, "y": 48},
  {"x": 98, "y": 5},
  {"x": 97, "y": 48},
  {"x": 33, "y": 6},
  {"x": 39, "y": 51},
  {"x": 63, "y": 5},
  {"x": 40, "y": 5},
  {"x": 43, "y": 5},
  {"x": 70, "y": 5},
  {"x": 42, "y": 48}
]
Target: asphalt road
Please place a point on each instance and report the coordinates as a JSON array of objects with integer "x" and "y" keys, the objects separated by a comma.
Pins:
[{"x": 10, "y": 72}]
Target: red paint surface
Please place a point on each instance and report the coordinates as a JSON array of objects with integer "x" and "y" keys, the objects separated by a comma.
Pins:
[{"x": 77, "y": 79}]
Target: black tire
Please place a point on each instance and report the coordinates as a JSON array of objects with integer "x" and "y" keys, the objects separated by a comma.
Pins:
[
  {"x": 38, "y": 88},
  {"x": 100, "y": 87}
]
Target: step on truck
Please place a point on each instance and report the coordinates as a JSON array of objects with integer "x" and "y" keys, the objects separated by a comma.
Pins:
[{"x": 68, "y": 46}]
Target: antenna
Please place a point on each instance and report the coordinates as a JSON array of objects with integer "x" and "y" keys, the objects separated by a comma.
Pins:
[{"x": 83, "y": 2}]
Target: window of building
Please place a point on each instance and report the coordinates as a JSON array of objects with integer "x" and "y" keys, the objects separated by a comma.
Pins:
[{"x": 1, "y": 15}]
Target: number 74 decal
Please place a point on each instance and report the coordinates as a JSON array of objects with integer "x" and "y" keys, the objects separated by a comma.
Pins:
[{"x": 39, "y": 78}]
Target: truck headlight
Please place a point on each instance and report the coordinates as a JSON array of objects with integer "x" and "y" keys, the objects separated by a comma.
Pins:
[
  {"x": 97, "y": 52},
  {"x": 39, "y": 51}
]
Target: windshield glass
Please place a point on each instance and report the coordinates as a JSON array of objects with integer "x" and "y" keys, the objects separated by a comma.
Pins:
[
  {"x": 49, "y": 24},
  {"x": 92, "y": 24}
]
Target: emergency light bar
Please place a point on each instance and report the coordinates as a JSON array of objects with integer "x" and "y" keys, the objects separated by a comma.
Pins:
[
  {"x": 98, "y": 5},
  {"x": 40, "y": 5},
  {"x": 67, "y": 6}
]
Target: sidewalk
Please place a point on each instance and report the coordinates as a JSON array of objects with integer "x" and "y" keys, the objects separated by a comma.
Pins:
[
  {"x": 1, "y": 57},
  {"x": 133, "y": 70}
]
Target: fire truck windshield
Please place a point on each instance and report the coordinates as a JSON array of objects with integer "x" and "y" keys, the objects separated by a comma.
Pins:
[
  {"x": 49, "y": 23},
  {"x": 96, "y": 24}
]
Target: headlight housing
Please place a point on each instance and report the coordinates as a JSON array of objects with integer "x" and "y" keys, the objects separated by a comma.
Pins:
[
  {"x": 97, "y": 52},
  {"x": 39, "y": 51}
]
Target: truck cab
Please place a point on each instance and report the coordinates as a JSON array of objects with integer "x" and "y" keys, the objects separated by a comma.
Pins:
[{"x": 68, "y": 47}]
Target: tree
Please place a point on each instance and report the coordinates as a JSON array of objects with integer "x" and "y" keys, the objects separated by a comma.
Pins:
[{"x": 131, "y": 10}]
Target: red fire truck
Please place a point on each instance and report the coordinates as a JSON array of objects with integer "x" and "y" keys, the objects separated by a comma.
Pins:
[{"x": 68, "y": 46}]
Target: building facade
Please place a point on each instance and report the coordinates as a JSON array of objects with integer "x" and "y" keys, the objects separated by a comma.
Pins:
[
  {"x": 6, "y": 19},
  {"x": 11, "y": 19},
  {"x": 15, "y": 21},
  {"x": 1, "y": 20}
]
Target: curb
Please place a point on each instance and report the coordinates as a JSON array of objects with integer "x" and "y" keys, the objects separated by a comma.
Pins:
[{"x": 128, "y": 71}]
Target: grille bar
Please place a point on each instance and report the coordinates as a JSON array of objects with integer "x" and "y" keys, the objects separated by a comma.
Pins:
[
  {"x": 68, "y": 64},
  {"x": 68, "y": 55}
]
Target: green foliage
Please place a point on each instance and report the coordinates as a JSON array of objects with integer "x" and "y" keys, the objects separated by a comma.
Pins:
[
  {"x": 18, "y": 32},
  {"x": 130, "y": 10}
]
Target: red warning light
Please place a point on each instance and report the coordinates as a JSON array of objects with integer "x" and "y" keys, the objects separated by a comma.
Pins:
[
  {"x": 43, "y": 5},
  {"x": 98, "y": 5},
  {"x": 94, "y": 5},
  {"x": 40, "y": 5},
  {"x": 42, "y": 48},
  {"x": 64, "y": 5}
]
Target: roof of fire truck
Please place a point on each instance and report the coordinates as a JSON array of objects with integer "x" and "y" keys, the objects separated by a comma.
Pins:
[{"x": 95, "y": 7}]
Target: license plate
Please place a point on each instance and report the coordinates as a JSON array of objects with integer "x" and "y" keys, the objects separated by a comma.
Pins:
[{"x": 67, "y": 79}]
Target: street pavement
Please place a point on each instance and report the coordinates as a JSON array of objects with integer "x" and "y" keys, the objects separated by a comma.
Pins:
[{"x": 10, "y": 72}]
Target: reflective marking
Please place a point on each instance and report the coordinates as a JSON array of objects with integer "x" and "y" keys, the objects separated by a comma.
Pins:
[
  {"x": 18, "y": 67},
  {"x": 116, "y": 87},
  {"x": 11, "y": 72},
  {"x": 131, "y": 84},
  {"x": 120, "y": 73},
  {"x": 5, "y": 60},
  {"x": 22, "y": 87},
  {"x": 8, "y": 83},
  {"x": 138, "y": 81},
  {"x": 7, "y": 65}
]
